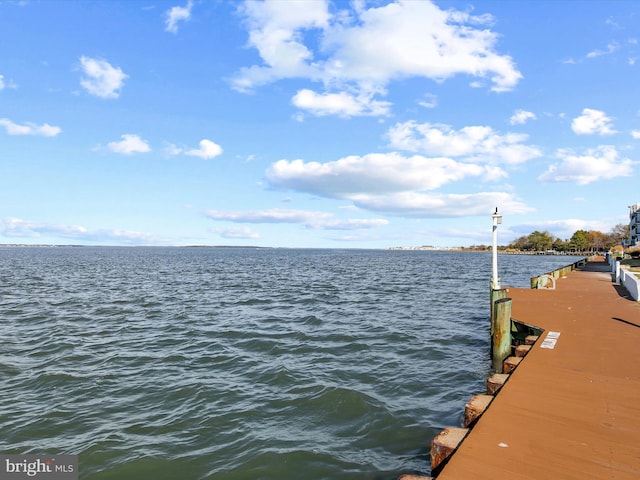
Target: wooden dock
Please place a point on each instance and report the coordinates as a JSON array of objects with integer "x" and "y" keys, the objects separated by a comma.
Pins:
[{"x": 571, "y": 411}]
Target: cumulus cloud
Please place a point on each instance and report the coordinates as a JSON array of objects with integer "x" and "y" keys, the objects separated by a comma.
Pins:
[
  {"x": 44, "y": 130},
  {"x": 592, "y": 122},
  {"x": 177, "y": 14},
  {"x": 520, "y": 117},
  {"x": 394, "y": 184},
  {"x": 101, "y": 78},
  {"x": 376, "y": 172},
  {"x": 129, "y": 145},
  {"x": 475, "y": 143},
  {"x": 361, "y": 48},
  {"x": 19, "y": 228},
  {"x": 595, "y": 164},
  {"x": 207, "y": 149},
  {"x": 635, "y": 134},
  {"x": 276, "y": 30},
  {"x": 342, "y": 104}
]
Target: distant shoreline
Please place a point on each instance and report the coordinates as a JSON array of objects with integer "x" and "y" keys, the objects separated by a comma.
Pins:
[{"x": 475, "y": 249}]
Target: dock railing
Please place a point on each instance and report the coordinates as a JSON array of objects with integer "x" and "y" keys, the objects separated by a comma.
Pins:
[{"x": 548, "y": 280}]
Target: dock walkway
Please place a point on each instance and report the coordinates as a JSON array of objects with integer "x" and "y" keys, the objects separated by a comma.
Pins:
[{"x": 573, "y": 411}]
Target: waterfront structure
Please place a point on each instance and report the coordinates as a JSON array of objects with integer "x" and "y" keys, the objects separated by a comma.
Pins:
[
  {"x": 634, "y": 226},
  {"x": 565, "y": 405}
]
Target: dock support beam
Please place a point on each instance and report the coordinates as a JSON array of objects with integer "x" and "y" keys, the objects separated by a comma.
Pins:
[{"x": 500, "y": 333}]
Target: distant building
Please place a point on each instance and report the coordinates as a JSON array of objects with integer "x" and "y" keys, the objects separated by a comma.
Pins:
[{"x": 634, "y": 225}]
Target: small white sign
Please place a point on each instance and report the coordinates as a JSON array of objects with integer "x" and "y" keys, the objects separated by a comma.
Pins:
[{"x": 550, "y": 340}]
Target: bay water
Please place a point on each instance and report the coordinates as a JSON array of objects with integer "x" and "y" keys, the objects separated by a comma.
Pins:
[{"x": 243, "y": 363}]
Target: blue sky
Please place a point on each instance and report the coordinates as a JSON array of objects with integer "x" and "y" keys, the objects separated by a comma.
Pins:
[{"x": 296, "y": 123}]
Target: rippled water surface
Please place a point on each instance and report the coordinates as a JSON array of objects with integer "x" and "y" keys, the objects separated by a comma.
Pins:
[{"x": 225, "y": 363}]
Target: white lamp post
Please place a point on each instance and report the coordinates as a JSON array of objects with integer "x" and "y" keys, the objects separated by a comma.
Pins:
[{"x": 497, "y": 220}]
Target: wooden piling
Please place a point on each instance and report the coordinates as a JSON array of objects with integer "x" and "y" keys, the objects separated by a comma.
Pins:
[
  {"x": 501, "y": 333},
  {"x": 522, "y": 350},
  {"x": 510, "y": 364},
  {"x": 475, "y": 408},
  {"x": 496, "y": 382},
  {"x": 444, "y": 444},
  {"x": 496, "y": 294}
]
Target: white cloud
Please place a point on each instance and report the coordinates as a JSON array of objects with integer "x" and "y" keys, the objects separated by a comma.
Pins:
[
  {"x": 408, "y": 38},
  {"x": 354, "y": 224},
  {"x": 592, "y": 122},
  {"x": 101, "y": 78},
  {"x": 611, "y": 47},
  {"x": 310, "y": 219},
  {"x": 16, "y": 228},
  {"x": 429, "y": 101},
  {"x": 342, "y": 104},
  {"x": 635, "y": 134},
  {"x": 276, "y": 32},
  {"x": 172, "y": 150},
  {"x": 44, "y": 130},
  {"x": 207, "y": 149},
  {"x": 474, "y": 143},
  {"x": 374, "y": 173},
  {"x": 275, "y": 215},
  {"x": 520, "y": 117},
  {"x": 393, "y": 184},
  {"x": 428, "y": 205},
  {"x": 363, "y": 49},
  {"x": 129, "y": 145},
  {"x": 595, "y": 164},
  {"x": 177, "y": 14}
]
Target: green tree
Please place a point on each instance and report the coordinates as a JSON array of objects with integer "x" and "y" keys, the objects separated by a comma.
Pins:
[
  {"x": 560, "y": 245},
  {"x": 579, "y": 241},
  {"x": 540, "y": 241}
]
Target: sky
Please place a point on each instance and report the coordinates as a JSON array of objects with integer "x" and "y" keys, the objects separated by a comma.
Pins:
[{"x": 316, "y": 124}]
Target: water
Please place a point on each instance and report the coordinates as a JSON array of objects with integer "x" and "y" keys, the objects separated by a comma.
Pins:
[{"x": 216, "y": 363}]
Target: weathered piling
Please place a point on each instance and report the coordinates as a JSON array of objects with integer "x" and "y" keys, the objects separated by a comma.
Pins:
[
  {"x": 500, "y": 333},
  {"x": 475, "y": 408},
  {"x": 496, "y": 294},
  {"x": 495, "y": 382},
  {"x": 444, "y": 444}
]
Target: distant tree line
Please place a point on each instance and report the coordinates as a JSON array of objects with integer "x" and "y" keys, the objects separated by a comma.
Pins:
[{"x": 580, "y": 241}]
